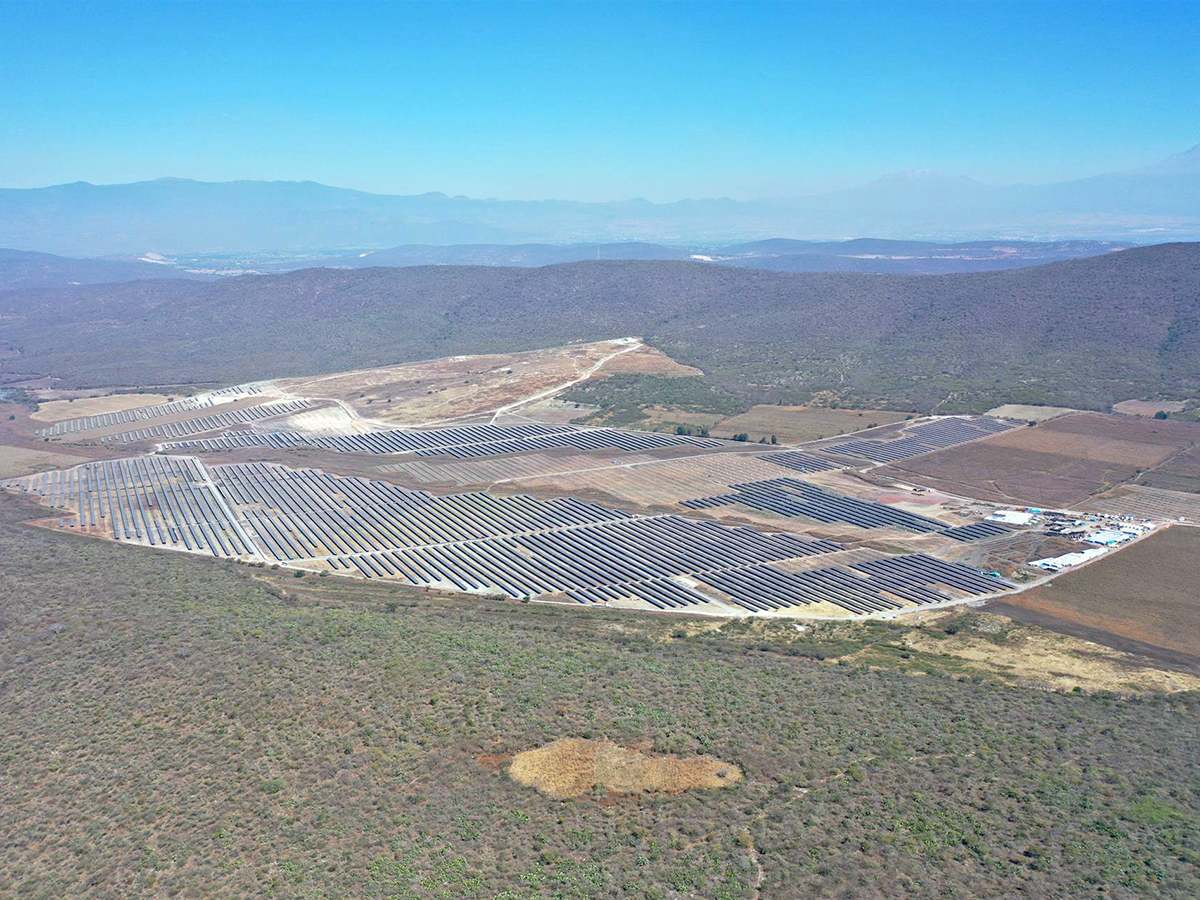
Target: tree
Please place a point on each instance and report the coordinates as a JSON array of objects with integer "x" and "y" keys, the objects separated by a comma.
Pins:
[{"x": 1162, "y": 414}]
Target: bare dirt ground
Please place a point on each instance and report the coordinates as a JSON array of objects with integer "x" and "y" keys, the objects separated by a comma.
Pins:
[
  {"x": 1029, "y": 413},
  {"x": 60, "y": 410},
  {"x": 1179, "y": 473},
  {"x": 796, "y": 424},
  {"x": 572, "y": 767},
  {"x": 457, "y": 387},
  {"x": 16, "y": 461},
  {"x": 1058, "y": 463},
  {"x": 1142, "y": 599},
  {"x": 1147, "y": 407}
]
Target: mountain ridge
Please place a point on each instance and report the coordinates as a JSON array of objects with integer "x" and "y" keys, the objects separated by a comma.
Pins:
[
  {"x": 175, "y": 215},
  {"x": 1079, "y": 333}
]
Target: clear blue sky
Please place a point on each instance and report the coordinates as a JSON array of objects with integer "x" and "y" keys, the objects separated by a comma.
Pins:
[{"x": 593, "y": 101}]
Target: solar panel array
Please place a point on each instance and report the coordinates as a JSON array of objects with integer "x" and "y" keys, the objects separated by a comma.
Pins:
[
  {"x": 162, "y": 501},
  {"x": 307, "y": 513},
  {"x": 924, "y": 438},
  {"x": 976, "y": 532},
  {"x": 514, "y": 545},
  {"x": 142, "y": 413},
  {"x": 211, "y": 422},
  {"x": 791, "y": 497},
  {"x": 803, "y": 462},
  {"x": 588, "y": 562},
  {"x": 468, "y": 442},
  {"x": 875, "y": 586}
]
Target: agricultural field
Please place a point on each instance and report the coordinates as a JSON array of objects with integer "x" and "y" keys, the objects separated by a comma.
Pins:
[
  {"x": 1179, "y": 473},
  {"x": 1057, "y": 463},
  {"x": 281, "y": 736},
  {"x": 1143, "y": 597}
]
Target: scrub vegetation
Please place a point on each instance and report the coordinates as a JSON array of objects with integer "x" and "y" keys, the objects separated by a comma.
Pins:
[
  {"x": 184, "y": 727},
  {"x": 1083, "y": 333}
]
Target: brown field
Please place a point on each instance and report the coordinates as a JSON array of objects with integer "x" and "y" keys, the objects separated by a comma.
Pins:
[
  {"x": 461, "y": 386},
  {"x": 1179, "y": 473},
  {"x": 1058, "y": 463},
  {"x": 796, "y": 424},
  {"x": 16, "y": 461},
  {"x": 59, "y": 410},
  {"x": 1142, "y": 598},
  {"x": 572, "y": 767},
  {"x": 1147, "y": 407}
]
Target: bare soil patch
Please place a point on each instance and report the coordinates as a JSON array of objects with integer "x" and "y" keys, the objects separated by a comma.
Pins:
[
  {"x": 460, "y": 386},
  {"x": 1143, "y": 599},
  {"x": 572, "y": 767},
  {"x": 1179, "y": 473}
]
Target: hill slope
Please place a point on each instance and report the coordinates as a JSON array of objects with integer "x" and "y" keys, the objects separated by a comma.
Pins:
[
  {"x": 24, "y": 269},
  {"x": 778, "y": 254},
  {"x": 1081, "y": 332}
]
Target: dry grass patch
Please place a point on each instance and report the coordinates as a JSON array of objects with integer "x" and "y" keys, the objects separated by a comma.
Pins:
[
  {"x": 571, "y": 767},
  {"x": 1148, "y": 407},
  {"x": 17, "y": 461},
  {"x": 796, "y": 424},
  {"x": 1030, "y": 413},
  {"x": 60, "y": 410}
]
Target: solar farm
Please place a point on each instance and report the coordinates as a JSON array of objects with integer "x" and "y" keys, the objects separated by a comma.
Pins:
[{"x": 501, "y": 504}]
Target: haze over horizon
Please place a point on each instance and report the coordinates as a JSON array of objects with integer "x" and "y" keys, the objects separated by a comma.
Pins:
[{"x": 574, "y": 102}]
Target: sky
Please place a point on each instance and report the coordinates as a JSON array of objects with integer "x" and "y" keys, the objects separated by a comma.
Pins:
[{"x": 593, "y": 101}]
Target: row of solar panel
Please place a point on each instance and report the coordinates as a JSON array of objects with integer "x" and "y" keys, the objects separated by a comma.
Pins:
[
  {"x": 163, "y": 501},
  {"x": 924, "y": 439},
  {"x": 211, "y": 422},
  {"x": 876, "y": 586},
  {"x": 591, "y": 556},
  {"x": 461, "y": 443},
  {"x": 791, "y": 497},
  {"x": 141, "y": 413},
  {"x": 307, "y": 513}
]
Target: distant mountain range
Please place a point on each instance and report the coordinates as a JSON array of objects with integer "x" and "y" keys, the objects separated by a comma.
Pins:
[
  {"x": 24, "y": 268},
  {"x": 777, "y": 254},
  {"x": 173, "y": 216},
  {"x": 21, "y": 268}
]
